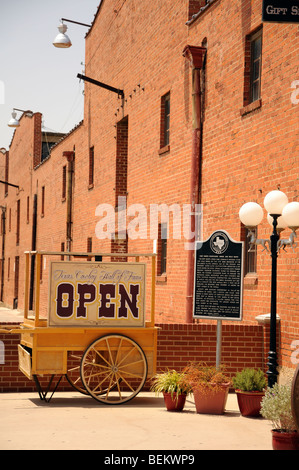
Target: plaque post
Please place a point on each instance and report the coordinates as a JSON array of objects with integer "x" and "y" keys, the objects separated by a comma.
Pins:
[{"x": 219, "y": 343}]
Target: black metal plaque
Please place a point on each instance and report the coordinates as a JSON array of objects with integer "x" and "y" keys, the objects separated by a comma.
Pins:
[
  {"x": 281, "y": 11},
  {"x": 218, "y": 279},
  {"x": 295, "y": 397}
]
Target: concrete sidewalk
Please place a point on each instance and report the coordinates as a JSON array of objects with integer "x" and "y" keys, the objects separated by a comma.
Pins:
[
  {"x": 9, "y": 315},
  {"x": 72, "y": 421}
]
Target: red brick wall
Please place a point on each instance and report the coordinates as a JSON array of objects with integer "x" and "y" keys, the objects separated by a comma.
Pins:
[
  {"x": 137, "y": 47},
  {"x": 178, "y": 344}
]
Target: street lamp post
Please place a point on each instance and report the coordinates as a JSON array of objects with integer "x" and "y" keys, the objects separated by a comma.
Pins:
[{"x": 281, "y": 214}]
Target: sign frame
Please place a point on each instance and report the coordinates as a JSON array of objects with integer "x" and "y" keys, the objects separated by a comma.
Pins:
[
  {"x": 280, "y": 11},
  {"x": 229, "y": 244},
  {"x": 117, "y": 274}
]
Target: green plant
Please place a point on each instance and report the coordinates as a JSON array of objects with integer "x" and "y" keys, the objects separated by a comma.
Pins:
[
  {"x": 276, "y": 407},
  {"x": 204, "y": 377},
  {"x": 171, "y": 382},
  {"x": 249, "y": 380}
]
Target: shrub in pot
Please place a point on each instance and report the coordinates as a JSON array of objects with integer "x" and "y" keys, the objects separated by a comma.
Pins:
[
  {"x": 276, "y": 406},
  {"x": 174, "y": 388},
  {"x": 249, "y": 386},
  {"x": 210, "y": 386}
]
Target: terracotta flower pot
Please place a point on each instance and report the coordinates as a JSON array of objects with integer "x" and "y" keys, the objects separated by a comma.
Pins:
[
  {"x": 285, "y": 440},
  {"x": 174, "y": 403},
  {"x": 210, "y": 401},
  {"x": 249, "y": 402}
]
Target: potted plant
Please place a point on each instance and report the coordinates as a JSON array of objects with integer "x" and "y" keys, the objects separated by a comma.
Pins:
[
  {"x": 174, "y": 388},
  {"x": 249, "y": 386},
  {"x": 276, "y": 407},
  {"x": 210, "y": 386}
]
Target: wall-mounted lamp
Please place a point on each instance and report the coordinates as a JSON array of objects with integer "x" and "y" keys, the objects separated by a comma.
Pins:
[
  {"x": 14, "y": 122},
  {"x": 62, "y": 40},
  {"x": 118, "y": 91}
]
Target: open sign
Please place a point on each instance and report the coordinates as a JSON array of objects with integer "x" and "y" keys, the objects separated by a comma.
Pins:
[{"x": 88, "y": 294}]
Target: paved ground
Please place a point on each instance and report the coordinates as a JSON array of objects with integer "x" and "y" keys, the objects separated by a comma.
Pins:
[
  {"x": 7, "y": 315},
  {"x": 74, "y": 421}
]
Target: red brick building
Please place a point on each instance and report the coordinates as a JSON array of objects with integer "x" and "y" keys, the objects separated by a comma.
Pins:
[{"x": 206, "y": 113}]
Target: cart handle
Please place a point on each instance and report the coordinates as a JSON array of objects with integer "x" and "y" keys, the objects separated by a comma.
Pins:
[{"x": 13, "y": 331}]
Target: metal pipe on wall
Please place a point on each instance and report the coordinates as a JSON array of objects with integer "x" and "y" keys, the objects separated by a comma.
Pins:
[{"x": 196, "y": 56}]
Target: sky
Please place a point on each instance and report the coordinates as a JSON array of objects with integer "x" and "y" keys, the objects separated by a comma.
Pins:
[{"x": 35, "y": 75}]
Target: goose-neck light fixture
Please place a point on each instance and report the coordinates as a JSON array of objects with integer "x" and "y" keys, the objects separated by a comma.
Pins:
[
  {"x": 14, "y": 122},
  {"x": 62, "y": 40}
]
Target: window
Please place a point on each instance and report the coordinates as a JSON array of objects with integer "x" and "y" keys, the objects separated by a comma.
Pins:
[
  {"x": 62, "y": 250},
  {"x": 43, "y": 202},
  {"x": 18, "y": 223},
  {"x": 89, "y": 248},
  {"x": 28, "y": 210},
  {"x": 121, "y": 165},
  {"x": 250, "y": 251},
  {"x": 162, "y": 249},
  {"x": 256, "y": 66},
  {"x": 41, "y": 268},
  {"x": 165, "y": 122},
  {"x": 253, "y": 68},
  {"x": 91, "y": 167},
  {"x": 63, "y": 194}
]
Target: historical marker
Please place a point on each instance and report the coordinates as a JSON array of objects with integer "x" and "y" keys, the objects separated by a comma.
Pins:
[
  {"x": 218, "y": 283},
  {"x": 281, "y": 11}
]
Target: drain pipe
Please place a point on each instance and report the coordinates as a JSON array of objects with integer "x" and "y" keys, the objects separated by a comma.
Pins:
[{"x": 196, "y": 56}]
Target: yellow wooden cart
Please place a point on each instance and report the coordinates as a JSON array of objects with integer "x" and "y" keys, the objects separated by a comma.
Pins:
[{"x": 109, "y": 363}]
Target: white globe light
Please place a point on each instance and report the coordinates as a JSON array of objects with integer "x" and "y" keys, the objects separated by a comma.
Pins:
[
  {"x": 290, "y": 214},
  {"x": 251, "y": 214},
  {"x": 281, "y": 223},
  {"x": 62, "y": 40},
  {"x": 275, "y": 201},
  {"x": 13, "y": 121}
]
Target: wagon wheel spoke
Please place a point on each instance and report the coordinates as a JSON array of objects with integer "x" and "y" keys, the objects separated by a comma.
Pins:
[
  {"x": 114, "y": 366},
  {"x": 73, "y": 372}
]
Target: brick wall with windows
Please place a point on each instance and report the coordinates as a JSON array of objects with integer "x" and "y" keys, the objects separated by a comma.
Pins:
[{"x": 245, "y": 148}]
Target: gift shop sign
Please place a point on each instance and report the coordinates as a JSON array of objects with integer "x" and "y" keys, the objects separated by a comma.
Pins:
[
  {"x": 97, "y": 294},
  {"x": 281, "y": 11}
]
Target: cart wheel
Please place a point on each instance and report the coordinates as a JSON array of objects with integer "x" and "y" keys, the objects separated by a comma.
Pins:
[
  {"x": 73, "y": 371},
  {"x": 113, "y": 369}
]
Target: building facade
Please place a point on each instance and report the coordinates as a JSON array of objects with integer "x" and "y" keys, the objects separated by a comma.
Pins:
[{"x": 201, "y": 112}]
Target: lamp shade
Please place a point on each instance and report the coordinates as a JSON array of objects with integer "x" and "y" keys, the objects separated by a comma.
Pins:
[
  {"x": 251, "y": 214},
  {"x": 62, "y": 40},
  {"x": 281, "y": 223},
  {"x": 275, "y": 201},
  {"x": 290, "y": 214},
  {"x": 13, "y": 121}
]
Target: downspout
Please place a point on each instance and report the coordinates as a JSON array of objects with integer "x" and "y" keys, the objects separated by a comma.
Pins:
[
  {"x": 196, "y": 56},
  {"x": 70, "y": 155}
]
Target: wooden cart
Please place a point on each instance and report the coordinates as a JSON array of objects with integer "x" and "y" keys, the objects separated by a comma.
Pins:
[{"x": 109, "y": 363}]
